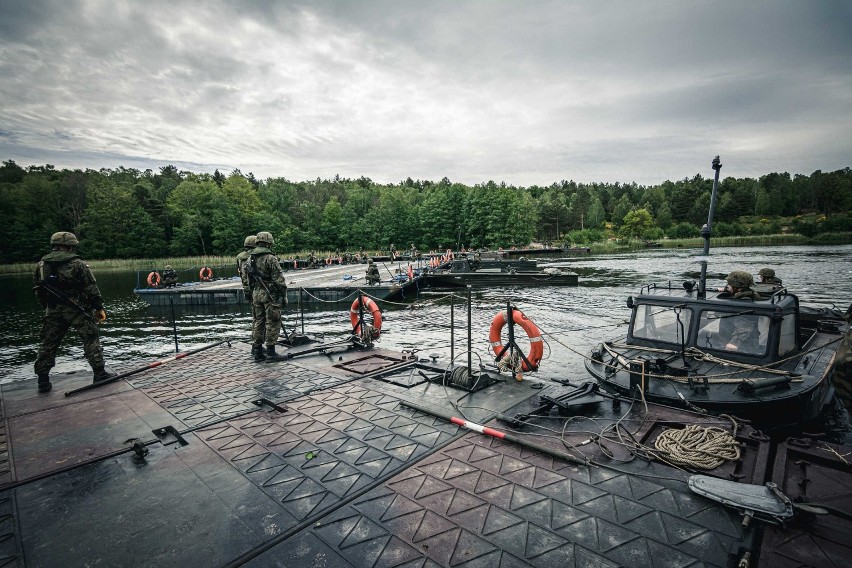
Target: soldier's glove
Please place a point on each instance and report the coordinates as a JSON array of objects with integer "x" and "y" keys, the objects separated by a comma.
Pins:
[{"x": 100, "y": 315}]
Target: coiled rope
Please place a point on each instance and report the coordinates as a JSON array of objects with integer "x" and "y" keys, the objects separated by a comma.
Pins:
[{"x": 700, "y": 447}]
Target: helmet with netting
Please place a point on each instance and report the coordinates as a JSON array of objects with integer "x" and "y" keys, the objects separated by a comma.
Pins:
[
  {"x": 64, "y": 238},
  {"x": 251, "y": 241},
  {"x": 740, "y": 279},
  {"x": 265, "y": 237},
  {"x": 767, "y": 273}
]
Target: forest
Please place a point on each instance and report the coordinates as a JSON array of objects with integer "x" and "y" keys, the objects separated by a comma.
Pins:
[{"x": 127, "y": 213}]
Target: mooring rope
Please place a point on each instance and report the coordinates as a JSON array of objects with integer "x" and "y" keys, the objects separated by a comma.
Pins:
[{"x": 700, "y": 447}]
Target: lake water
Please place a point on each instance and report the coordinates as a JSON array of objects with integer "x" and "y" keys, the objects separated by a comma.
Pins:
[{"x": 573, "y": 319}]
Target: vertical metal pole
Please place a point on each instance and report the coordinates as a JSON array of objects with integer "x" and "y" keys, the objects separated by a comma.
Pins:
[
  {"x": 302, "y": 310},
  {"x": 510, "y": 319},
  {"x": 469, "y": 345},
  {"x": 452, "y": 327},
  {"x": 174, "y": 322},
  {"x": 707, "y": 229}
]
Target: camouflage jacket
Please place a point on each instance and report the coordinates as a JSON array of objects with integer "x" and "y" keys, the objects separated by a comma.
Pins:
[
  {"x": 242, "y": 260},
  {"x": 266, "y": 268},
  {"x": 70, "y": 277}
]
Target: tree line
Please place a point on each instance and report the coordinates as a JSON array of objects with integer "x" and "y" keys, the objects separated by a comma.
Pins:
[{"x": 127, "y": 213}]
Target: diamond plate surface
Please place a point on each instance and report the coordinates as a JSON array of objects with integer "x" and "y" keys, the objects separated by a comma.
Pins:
[
  {"x": 326, "y": 447},
  {"x": 226, "y": 384},
  {"x": 481, "y": 502}
]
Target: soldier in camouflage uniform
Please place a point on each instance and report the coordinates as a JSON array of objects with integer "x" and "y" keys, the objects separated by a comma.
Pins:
[
  {"x": 373, "y": 276},
  {"x": 767, "y": 276},
  {"x": 170, "y": 276},
  {"x": 739, "y": 287},
  {"x": 242, "y": 261},
  {"x": 741, "y": 332},
  {"x": 66, "y": 288},
  {"x": 269, "y": 295}
]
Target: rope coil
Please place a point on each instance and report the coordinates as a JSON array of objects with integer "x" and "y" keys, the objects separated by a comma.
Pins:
[{"x": 700, "y": 447}]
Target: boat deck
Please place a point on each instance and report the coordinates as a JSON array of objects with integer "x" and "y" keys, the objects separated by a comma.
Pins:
[
  {"x": 335, "y": 283},
  {"x": 317, "y": 461}
]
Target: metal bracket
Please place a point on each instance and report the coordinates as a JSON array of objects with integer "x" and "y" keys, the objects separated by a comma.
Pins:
[
  {"x": 169, "y": 435},
  {"x": 269, "y": 406}
]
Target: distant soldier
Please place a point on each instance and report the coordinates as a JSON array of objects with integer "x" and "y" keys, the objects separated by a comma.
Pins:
[
  {"x": 372, "y": 273},
  {"x": 393, "y": 252},
  {"x": 767, "y": 276},
  {"x": 170, "y": 277},
  {"x": 66, "y": 288},
  {"x": 269, "y": 295}
]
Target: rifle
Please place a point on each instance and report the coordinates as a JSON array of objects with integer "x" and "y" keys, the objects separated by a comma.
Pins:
[
  {"x": 64, "y": 298},
  {"x": 255, "y": 277}
]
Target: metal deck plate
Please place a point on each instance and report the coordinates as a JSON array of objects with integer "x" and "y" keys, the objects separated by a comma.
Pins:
[
  {"x": 480, "y": 502},
  {"x": 811, "y": 471}
]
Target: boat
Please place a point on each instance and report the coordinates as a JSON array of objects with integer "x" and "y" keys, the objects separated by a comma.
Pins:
[
  {"x": 333, "y": 283},
  {"x": 680, "y": 350},
  {"x": 465, "y": 271}
]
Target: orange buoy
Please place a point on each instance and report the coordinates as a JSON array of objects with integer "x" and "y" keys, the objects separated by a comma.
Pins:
[
  {"x": 205, "y": 274},
  {"x": 410, "y": 273},
  {"x": 369, "y": 306},
  {"x": 154, "y": 279},
  {"x": 536, "y": 343},
  {"x": 450, "y": 255}
]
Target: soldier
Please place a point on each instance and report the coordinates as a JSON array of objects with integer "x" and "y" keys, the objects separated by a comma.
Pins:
[
  {"x": 170, "y": 277},
  {"x": 767, "y": 276},
  {"x": 739, "y": 287},
  {"x": 242, "y": 259},
  {"x": 372, "y": 273},
  {"x": 66, "y": 288},
  {"x": 269, "y": 295},
  {"x": 393, "y": 252},
  {"x": 740, "y": 333}
]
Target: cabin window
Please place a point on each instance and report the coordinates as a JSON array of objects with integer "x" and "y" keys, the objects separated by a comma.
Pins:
[
  {"x": 734, "y": 332},
  {"x": 787, "y": 341},
  {"x": 659, "y": 323}
]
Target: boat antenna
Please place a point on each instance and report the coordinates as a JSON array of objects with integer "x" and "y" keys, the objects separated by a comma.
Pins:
[{"x": 707, "y": 229}]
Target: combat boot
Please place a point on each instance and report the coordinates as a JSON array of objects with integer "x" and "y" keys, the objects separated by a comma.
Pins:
[
  {"x": 102, "y": 375},
  {"x": 44, "y": 383},
  {"x": 271, "y": 355},
  {"x": 257, "y": 353}
]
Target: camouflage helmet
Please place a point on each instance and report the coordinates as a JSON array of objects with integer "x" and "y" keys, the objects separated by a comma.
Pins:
[
  {"x": 767, "y": 273},
  {"x": 168, "y": 267},
  {"x": 251, "y": 241},
  {"x": 265, "y": 237},
  {"x": 370, "y": 261},
  {"x": 64, "y": 238},
  {"x": 740, "y": 279}
]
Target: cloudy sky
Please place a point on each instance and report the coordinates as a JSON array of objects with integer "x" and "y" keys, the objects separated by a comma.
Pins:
[{"x": 526, "y": 92}]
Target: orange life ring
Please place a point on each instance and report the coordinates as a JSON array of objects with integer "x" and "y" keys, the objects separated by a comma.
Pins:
[
  {"x": 154, "y": 279},
  {"x": 410, "y": 273},
  {"x": 536, "y": 343},
  {"x": 369, "y": 306},
  {"x": 328, "y": 261},
  {"x": 295, "y": 264},
  {"x": 205, "y": 274},
  {"x": 450, "y": 255}
]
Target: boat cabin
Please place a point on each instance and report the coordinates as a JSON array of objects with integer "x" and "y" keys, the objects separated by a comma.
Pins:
[{"x": 755, "y": 331}]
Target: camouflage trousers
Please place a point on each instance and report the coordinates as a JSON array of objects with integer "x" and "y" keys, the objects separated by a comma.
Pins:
[
  {"x": 55, "y": 325},
  {"x": 266, "y": 324}
]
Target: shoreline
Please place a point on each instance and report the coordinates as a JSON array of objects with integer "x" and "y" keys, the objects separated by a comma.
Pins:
[{"x": 196, "y": 262}]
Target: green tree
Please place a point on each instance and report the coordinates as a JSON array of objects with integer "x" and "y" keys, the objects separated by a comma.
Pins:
[{"x": 636, "y": 223}]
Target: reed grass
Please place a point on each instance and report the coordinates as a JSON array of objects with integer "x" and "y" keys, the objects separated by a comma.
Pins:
[{"x": 218, "y": 262}]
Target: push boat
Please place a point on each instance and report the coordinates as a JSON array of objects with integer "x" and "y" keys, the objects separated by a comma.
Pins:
[
  {"x": 678, "y": 351},
  {"x": 465, "y": 271},
  {"x": 768, "y": 360}
]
